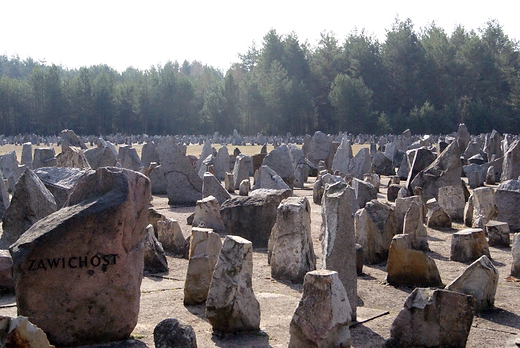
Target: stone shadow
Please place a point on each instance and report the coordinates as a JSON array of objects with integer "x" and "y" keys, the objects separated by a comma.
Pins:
[
  {"x": 257, "y": 339},
  {"x": 198, "y": 310},
  {"x": 437, "y": 256},
  {"x": 502, "y": 317},
  {"x": 362, "y": 336}
]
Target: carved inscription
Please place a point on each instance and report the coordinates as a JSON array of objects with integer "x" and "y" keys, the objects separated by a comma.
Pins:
[{"x": 72, "y": 262}]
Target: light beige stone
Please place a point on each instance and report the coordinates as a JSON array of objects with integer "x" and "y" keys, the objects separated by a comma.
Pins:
[
  {"x": 515, "y": 252},
  {"x": 406, "y": 266},
  {"x": 290, "y": 245},
  {"x": 169, "y": 234},
  {"x": 21, "y": 333},
  {"x": 207, "y": 210},
  {"x": 479, "y": 280},
  {"x": 414, "y": 227},
  {"x": 231, "y": 305},
  {"x": 205, "y": 247},
  {"x": 451, "y": 199},
  {"x": 480, "y": 208},
  {"x": 322, "y": 317},
  {"x": 468, "y": 245}
]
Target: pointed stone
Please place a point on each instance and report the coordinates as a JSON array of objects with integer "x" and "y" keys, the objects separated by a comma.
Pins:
[{"x": 231, "y": 305}]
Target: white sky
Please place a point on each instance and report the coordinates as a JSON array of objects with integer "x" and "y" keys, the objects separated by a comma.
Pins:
[{"x": 120, "y": 34}]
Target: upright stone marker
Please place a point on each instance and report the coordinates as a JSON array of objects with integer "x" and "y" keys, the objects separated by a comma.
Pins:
[
  {"x": 339, "y": 240},
  {"x": 86, "y": 260},
  {"x": 231, "y": 305}
]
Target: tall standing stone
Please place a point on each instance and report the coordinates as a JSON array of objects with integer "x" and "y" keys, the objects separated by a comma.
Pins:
[
  {"x": 339, "y": 239},
  {"x": 480, "y": 208},
  {"x": 508, "y": 199},
  {"x": 44, "y": 157},
  {"x": 129, "y": 158},
  {"x": 322, "y": 317},
  {"x": 207, "y": 212},
  {"x": 511, "y": 164},
  {"x": 221, "y": 163},
  {"x": 515, "y": 252},
  {"x": 231, "y": 305},
  {"x": 27, "y": 158},
  {"x": 86, "y": 260},
  {"x": 290, "y": 244},
  {"x": 280, "y": 160},
  {"x": 451, "y": 199},
  {"x": 341, "y": 161},
  {"x": 149, "y": 154},
  {"x": 361, "y": 164},
  {"x": 375, "y": 225},
  {"x": 205, "y": 247},
  {"x": 241, "y": 170}
]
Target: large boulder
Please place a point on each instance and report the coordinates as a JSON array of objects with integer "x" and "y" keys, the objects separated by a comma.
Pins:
[
  {"x": 211, "y": 186},
  {"x": 444, "y": 171},
  {"x": 60, "y": 181},
  {"x": 86, "y": 260},
  {"x": 184, "y": 186},
  {"x": 98, "y": 157},
  {"x": 253, "y": 217},
  {"x": 281, "y": 161},
  {"x": 129, "y": 158},
  {"x": 267, "y": 178},
  {"x": 433, "y": 318}
]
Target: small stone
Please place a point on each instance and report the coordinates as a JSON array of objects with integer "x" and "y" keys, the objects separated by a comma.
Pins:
[
  {"x": 172, "y": 333},
  {"x": 498, "y": 233},
  {"x": 468, "y": 245}
]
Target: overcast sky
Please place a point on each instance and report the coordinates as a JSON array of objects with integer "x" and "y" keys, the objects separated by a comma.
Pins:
[{"x": 119, "y": 33}]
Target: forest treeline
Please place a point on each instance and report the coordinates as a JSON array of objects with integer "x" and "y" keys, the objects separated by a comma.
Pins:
[{"x": 426, "y": 80}]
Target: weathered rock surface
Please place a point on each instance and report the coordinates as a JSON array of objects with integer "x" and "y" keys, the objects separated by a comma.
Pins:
[
  {"x": 231, "y": 305},
  {"x": 365, "y": 191},
  {"x": 281, "y": 161},
  {"x": 322, "y": 317},
  {"x": 129, "y": 158},
  {"x": 44, "y": 157},
  {"x": 339, "y": 240},
  {"x": 436, "y": 217},
  {"x": 498, "y": 233},
  {"x": 341, "y": 161},
  {"x": 433, "y": 318},
  {"x": 207, "y": 212},
  {"x": 267, "y": 178},
  {"x": 184, "y": 186},
  {"x": 101, "y": 157},
  {"x": 413, "y": 226},
  {"x": 515, "y": 252},
  {"x": 451, "y": 199},
  {"x": 205, "y": 247},
  {"x": 480, "y": 208},
  {"x": 72, "y": 157},
  {"x": 6, "y": 272},
  {"x": 154, "y": 256},
  {"x": 21, "y": 333},
  {"x": 60, "y": 181},
  {"x": 290, "y": 245},
  {"x": 479, "y": 280},
  {"x": 86, "y": 260},
  {"x": 253, "y": 217},
  {"x": 172, "y": 333},
  {"x": 444, "y": 171},
  {"x": 31, "y": 202},
  {"x": 212, "y": 187},
  {"x": 511, "y": 164},
  {"x": 170, "y": 235},
  {"x": 508, "y": 200},
  {"x": 375, "y": 225},
  {"x": 406, "y": 266},
  {"x": 241, "y": 170},
  {"x": 468, "y": 245}
]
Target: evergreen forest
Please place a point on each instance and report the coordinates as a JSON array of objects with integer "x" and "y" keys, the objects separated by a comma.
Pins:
[{"x": 426, "y": 80}]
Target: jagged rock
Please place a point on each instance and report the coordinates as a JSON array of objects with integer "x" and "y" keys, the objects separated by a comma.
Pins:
[
  {"x": 361, "y": 163},
  {"x": 172, "y": 333},
  {"x": 267, "y": 178},
  {"x": 291, "y": 253},
  {"x": 393, "y": 191},
  {"x": 72, "y": 157},
  {"x": 212, "y": 187},
  {"x": 154, "y": 256},
  {"x": 69, "y": 138},
  {"x": 253, "y": 216},
  {"x": 31, "y": 202},
  {"x": 129, "y": 158},
  {"x": 406, "y": 266},
  {"x": 402, "y": 204},
  {"x": 221, "y": 163},
  {"x": 44, "y": 157},
  {"x": 375, "y": 225},
  {"x": 205, "y": 247},
  {"x": 241, "y": 170},
  {"x": 382, "y": 165},
  {"x": 184, "y": 186},
  {"x": 427, "y": 320},
  {"x": 413, "y": 226},
  {"x": 468, "y": 245},
  {"x": 365, "y": 191},
  {"x": 498, "y": 233},
  {"x": 21, "y": 333},
  {"x": 82, "y": 275},
  {"x": 170, "y": 235},
  {"x": 231, "y": 305},
  {"x": 341, "y": 161},
  {"x": 207, "y": 211},
  {"x": 479, "y": 280},
  {"x": 511, "y": 164},
  {"x": 339, "y": 240},
  {"x": 60, "y": 181},
  {"x": 322, "y": 317},
  {"x": 281, "y": 161},
  {"x": 101, "y": 157},
  {"x": 149, "y": 154},
  {"x": 436, "y": 217},
  {"x": 444, "y": 171},
  {"x": 463, "y": 136},
  {"x": 451, "y": 199},
  {"x": 420, "y": 159},
  {"x": 206, "y": 151},
  {"x": 480, "y": 208}
]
